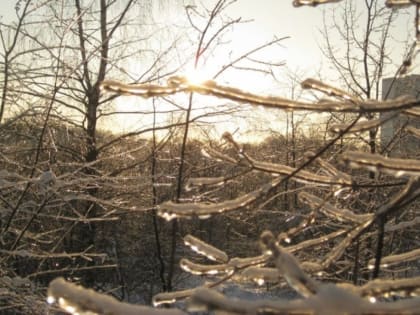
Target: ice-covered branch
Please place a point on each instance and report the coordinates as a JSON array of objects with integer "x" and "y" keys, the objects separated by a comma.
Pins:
[
  {"x": 328, "y": 168},
  {"x": 145, "y": 90},
  {"x": 171, "y": 210},
  {"x": 329, "y": 210},
  {"x": 327, "y": 89},
  {"x": 201, "y": 269},
  {"x": 313, "y": 3},
  {"x": 339, "y": 249},
  {"x": 361, "y": 126},
  {"x": 75, "y": 299},
  {"x": 288, "y": 266},
  {"x": 204, "y": 181},
  {"x": 377, "y": 163},
  {"x": 401, "y": 287},
  {"x": 414, "y": 131},
  {"x": 172, "y": 297},
  {"x": 329, "y": 300},
  {"x": 403, "y": 225},
  {"x": 400, "y": 3},
  {"x": 301, "y": 176},
  {"x": 205, "y": 249},
  {"x": 398, "y": 258},
  {"x": 178, "y": 84},
  {"x": 260, "y": 275}
]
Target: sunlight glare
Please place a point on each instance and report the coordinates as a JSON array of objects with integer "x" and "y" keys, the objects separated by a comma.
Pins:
[{"x": 197, "y": 76}]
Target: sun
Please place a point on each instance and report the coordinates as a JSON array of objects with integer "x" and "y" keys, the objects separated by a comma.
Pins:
[{"x": 197, "y": 76}]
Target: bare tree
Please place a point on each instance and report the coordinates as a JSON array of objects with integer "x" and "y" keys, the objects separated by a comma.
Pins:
[{"x": 350, "y": 223}]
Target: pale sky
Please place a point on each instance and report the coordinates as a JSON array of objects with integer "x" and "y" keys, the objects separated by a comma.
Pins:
[{"x": 271, "y": 18}]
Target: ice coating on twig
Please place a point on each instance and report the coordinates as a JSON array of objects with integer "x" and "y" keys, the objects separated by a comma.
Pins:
[
  {"x": 171, "y": 297},
  {"x": 289, "y": 267},
  {"x": 327, "y": 89},
  {"x": 302, "y": 176},
  {"x": 316, "y": 241},
  {"x": 330, "y": 169},
  {"x": 360, "y": 126},
  {"x": 403, "y": 225},
  {"x": 204, "y": 181},
  {"x": 378, "y": 163},
  {"x": 313, "y": 3},
  {"x": 260, "y": 275},
  {"x": 145, "y": 90},
  {"x": 328, "y": 209},
  {"x": 398, "y": 258},
  {"x": 379, "y": 287},
  {"x": 400, "y": 3},
  {"x": 170, "y": 210},
  {"x": 201, "y": 269},
  {"x": 205, "y": 249},
  {"x": 330, "y": 300},
  {"x": 415, "y": 112},
  {"x": 339, "y": 249},
  {"x": 414, "y": 131},
  {"x": 75, "y": 299}
]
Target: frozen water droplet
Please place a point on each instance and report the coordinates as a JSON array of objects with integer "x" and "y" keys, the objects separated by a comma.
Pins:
[
  {"x": 260, "y": 281},
  {"x": 70, "y": 309}
]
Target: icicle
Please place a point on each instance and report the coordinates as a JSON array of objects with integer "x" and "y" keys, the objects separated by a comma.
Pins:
[{"x": 205, "y": 249}]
